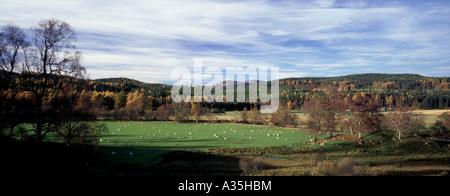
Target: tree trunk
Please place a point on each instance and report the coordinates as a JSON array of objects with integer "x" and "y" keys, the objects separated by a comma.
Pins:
[
  {"x": 351, "y": 128},
  {"x": 39, "y": 122}
]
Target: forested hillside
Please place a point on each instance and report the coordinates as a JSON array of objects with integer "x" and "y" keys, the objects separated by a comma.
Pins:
[{"x": 385, "y": 89}]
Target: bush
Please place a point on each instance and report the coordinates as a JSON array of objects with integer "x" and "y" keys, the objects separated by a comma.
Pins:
[
  {"x": 438, "y": 130},
  {"x": 346, "y": 167},
  {"x": 251, "y": 166},
  {"x": 325, "y": 168}
]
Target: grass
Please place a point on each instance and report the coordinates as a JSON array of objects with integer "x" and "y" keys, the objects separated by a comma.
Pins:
[
  {"x": 185, "y": 149},
  {"x": 149, "y": 140},
  {"x": 161, "y": 148}
]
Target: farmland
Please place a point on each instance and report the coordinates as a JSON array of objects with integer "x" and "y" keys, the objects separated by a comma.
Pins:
[
  {"x": 161, "y": 137},
  {"x": 160, "y": 148}
]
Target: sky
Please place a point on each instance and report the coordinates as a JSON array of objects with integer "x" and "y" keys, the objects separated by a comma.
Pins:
[{"x": 146, "y": 40}]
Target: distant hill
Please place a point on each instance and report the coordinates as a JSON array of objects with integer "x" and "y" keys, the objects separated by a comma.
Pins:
[
  {"x": 407, "y": 81},
  {"x": 369, "y": 77},
  {"x": 129, "y": 85},
  {"x": 371, "y": 80}
]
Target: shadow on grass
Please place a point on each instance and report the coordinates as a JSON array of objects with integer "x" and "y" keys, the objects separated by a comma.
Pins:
[
  {"x": 167, "y": 161},
  {"x": 53, "y": 159}
]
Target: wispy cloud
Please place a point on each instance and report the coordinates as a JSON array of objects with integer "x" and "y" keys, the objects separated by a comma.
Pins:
[{"x": 146, "y": 39}]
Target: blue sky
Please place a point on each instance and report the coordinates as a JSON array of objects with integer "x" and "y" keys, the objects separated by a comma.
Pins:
[{"x": 145, "y": 40}]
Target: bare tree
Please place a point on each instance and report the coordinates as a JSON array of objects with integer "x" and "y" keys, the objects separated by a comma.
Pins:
[
  {"x": 12, "y": 42},
  {"x": 54, "y": 41},
  {"x": 53, "y": 53}
]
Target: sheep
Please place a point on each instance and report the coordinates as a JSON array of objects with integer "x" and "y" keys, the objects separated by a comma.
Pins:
[
  {"x": 131, "y": 154},
  {"x": 113, "y": 153}
]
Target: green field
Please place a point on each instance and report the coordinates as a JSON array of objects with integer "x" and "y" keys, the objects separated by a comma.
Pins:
[
  {"x": 207, "y": 148},
  {"x": 149, "y": 140}
]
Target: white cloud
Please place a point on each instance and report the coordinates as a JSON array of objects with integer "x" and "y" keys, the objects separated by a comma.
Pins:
[{"x": 327, "y": 35}]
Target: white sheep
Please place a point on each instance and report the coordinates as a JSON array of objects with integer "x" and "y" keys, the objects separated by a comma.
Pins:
[
  {"x": 113, "y": 153},
  {"x": 131, "y": 154}
]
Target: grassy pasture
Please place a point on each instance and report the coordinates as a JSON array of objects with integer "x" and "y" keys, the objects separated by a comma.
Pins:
[
  {"x": 160, "y": 148},
  {"x": 149, "y": 140}
]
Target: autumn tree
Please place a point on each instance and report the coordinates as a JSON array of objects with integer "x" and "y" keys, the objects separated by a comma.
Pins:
[
  {"x": 163, "y": 112},
  {"x": 403, "y": 120},
  {"x": 244, "y": 115},
  {"x": 441, "y": 129},
  {"x": 445, "y": 118},
  {"x": 255, "y": 116},
  {"x": 181, "y": 111},
  {"x": 236, "y": 116},
  {"x": 283, "y": 117},
  {"x": 121, "y": 100},
  {"x": 314, "y": 108},
  {"x": 333, "y": 107},
  {"x": 196, "y": 111},
  {"x": 136, "y": 105},
  {"x": 438, "y": 130},
  {"x": 324, "y": 113},
  {"x": 361, "y": 115},
  {"x": 74, "y": 108}
]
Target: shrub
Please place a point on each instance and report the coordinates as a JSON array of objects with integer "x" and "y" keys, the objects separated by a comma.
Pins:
[
  {"x": 346, "y": 167},
  {"x": 439, "y": 130},
  {"x": 325, "y": 168},
  {"x": 250, "y": 166}
]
